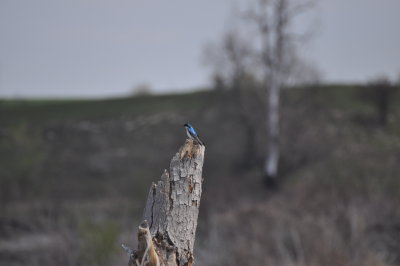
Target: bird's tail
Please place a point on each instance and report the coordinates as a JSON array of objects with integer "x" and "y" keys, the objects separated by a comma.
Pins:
[{"x": 199, "y": 141}]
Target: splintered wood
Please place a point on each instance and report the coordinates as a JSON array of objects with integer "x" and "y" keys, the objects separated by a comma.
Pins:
[
  {"x": 190, "y": 149},
  {"x": 171, "y": 212}
]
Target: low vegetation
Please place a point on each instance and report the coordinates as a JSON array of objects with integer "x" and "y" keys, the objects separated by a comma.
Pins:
[{"x": 74, "y": 176}]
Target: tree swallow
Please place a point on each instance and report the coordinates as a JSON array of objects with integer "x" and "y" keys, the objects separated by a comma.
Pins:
[{"x": 192, "y": 134}]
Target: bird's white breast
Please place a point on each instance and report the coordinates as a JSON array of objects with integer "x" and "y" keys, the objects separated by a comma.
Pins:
[{"x": 188, "y": 134}]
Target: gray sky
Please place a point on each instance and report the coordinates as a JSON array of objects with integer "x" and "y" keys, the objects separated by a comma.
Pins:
[{"x": 99, "y": 48}]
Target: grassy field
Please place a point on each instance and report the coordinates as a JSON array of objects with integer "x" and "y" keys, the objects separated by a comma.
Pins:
[{"x": 75, "y": 174}]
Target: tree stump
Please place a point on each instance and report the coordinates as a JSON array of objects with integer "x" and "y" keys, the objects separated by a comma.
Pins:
[{"x": 166, "y": 235}]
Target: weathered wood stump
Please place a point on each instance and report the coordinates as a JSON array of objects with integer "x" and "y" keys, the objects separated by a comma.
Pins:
[{"x": 166, "y": 235}]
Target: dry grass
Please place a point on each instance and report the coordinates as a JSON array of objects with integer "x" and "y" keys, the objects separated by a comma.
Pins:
[{"x": 75, "y": 177}]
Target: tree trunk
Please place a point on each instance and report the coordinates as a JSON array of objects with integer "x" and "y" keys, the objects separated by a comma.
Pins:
[
  {"x": 280, "y": 24},
  {"x": 167, "y": 234},
  {"x": 272, "y": 159}
]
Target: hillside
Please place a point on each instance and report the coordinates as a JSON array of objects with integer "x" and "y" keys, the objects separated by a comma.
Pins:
[{"x": 74, "y": 176}]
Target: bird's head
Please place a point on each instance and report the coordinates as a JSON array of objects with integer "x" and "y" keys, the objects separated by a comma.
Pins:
[{"x": 187, "y": 125}]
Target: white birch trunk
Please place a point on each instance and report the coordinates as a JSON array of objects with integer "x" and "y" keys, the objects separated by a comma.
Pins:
[
  {"x": 277, "y": 46},
  {"x": 272, "y": 159}
]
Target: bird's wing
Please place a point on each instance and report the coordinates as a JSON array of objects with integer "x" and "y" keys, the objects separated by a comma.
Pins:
[{"x": 191, "y": 129}]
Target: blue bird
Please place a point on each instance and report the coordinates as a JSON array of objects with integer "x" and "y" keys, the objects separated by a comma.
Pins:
[{"x": 192, "y": 134}]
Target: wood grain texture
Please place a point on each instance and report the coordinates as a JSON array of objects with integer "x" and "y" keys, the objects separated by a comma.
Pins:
[{"x": 173, "y": 203}]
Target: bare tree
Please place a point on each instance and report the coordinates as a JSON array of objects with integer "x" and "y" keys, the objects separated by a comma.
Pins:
[
  {"x": 234, "y": 68},
  {"x": 272, "y": 20},
  {"x": 276, "y": 50},
  {"x": 268, "y": 54}
]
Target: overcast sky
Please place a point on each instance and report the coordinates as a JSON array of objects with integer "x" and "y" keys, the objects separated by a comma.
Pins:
[{"x": 97, "y": 48}]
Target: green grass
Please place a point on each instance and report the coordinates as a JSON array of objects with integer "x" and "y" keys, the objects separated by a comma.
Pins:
[{"x": 39, "y": 111}]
